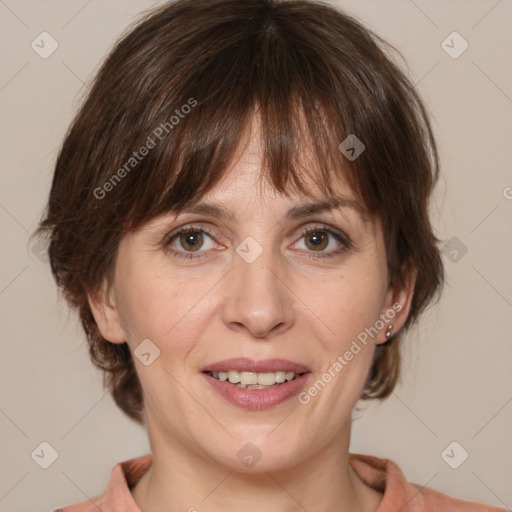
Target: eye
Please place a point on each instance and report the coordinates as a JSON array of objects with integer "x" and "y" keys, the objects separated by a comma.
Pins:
[
  {"x": 189, "y": 240},
  {"x": 324, "y": 241}
]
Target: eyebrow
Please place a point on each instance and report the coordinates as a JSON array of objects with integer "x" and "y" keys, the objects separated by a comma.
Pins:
[
  {"x": 307, "y": 209},
  {"x": 301, "y": 210}
]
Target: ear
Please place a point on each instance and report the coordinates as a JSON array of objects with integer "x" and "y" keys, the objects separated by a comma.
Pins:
[
  {"x": 104, "y": 309},
  {"x": 397, "y": 305}
]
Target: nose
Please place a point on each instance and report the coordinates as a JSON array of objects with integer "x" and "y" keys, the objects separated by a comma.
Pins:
[{"x": 258, "y": 299}]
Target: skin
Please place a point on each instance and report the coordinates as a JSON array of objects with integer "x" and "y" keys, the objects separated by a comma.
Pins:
[{"x": 218, "y": 306}]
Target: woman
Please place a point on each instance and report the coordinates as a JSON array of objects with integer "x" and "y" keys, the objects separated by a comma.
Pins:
[{"x": 239, "y": 213}]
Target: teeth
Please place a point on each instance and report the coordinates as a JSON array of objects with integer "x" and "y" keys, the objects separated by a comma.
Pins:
[
  {"x": 280, "y": 377},
  {"x": 247, "y": 378},
  {"x": 233, "y": 377},
  {"x": 266, "y": 379},
  {"x": 255, "y": 380}
]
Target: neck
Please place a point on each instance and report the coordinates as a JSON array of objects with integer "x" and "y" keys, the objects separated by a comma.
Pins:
[{"x": 180, "y": 479}]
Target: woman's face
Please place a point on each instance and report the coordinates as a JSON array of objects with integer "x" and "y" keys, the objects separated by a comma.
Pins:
[{"x": 264, "y": 281}]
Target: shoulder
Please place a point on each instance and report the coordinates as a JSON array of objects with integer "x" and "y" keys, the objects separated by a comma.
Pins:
[
  {"x": 116, "y": 496},
  {"x": 434, "y": 500},
  {"x": 385, "y": 476}
]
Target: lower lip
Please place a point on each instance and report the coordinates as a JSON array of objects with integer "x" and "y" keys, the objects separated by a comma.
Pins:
[{"x": 257, "y": 399}]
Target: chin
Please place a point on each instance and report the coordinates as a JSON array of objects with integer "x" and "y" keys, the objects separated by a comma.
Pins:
[{"x": 259, "y": 453}]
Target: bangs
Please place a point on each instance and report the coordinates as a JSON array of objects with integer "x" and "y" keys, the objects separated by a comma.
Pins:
[{"x": 305, "y": 108}]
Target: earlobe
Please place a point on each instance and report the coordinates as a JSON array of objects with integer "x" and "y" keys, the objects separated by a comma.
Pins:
[
  {"x": 397, "y": 307},
  {"x": 104, "y": 309}
]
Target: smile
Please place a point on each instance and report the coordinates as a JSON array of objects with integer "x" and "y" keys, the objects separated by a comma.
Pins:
[{"x": 253, "y": 380}]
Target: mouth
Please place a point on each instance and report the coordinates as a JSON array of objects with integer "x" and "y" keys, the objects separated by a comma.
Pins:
[
  {"x": 253, "y": 380},
  {"x": 256, "y": 385}
]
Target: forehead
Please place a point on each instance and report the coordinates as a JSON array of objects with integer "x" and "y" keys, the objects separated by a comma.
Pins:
[
  {"x": 245, "y": 182},
  {"x": 264, "y": 174}
]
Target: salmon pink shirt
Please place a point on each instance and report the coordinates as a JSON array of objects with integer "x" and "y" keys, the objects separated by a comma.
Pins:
[{"x": 381, "y": 474}]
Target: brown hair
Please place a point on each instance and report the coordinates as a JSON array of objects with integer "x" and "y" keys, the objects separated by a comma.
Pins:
[{"x": 183, "y": 84}]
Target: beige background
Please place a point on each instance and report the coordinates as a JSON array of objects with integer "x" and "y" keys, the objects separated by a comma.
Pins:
[{"x": 457, "y": 383}]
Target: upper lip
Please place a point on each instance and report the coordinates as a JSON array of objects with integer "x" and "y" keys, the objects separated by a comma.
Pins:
[{"x": 243, "y": 364}]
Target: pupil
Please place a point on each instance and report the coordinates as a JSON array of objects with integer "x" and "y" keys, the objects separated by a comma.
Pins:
[
  {"x": 193, "y": 240},
  {"x": 318, "y": 240}
]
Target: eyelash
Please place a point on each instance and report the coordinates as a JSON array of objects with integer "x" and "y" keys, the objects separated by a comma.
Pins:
[{"x": 343, "y": 239}]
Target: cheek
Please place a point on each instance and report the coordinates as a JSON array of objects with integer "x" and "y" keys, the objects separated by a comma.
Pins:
[
  {"x": 346, "y": 305},
  {"x": 169, "y": 310}
]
